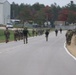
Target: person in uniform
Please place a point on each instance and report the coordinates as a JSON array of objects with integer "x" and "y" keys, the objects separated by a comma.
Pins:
[
  {"x": 56, "y": 32},
  {"x": 46, "y": 35},
  {"x": 36, "y": 32},
  {"x": 25, "y": 35},
  {"x": 69, "y": 35},
  {"x": 60, "y": 30},
  {"x": 16, "y": 35},
  {"x": 33, "y": 32},
  {"x": 7, "y": 35}
]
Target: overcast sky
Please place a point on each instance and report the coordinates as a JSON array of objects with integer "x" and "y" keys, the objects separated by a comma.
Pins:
[{"x": 45, "y": 2}]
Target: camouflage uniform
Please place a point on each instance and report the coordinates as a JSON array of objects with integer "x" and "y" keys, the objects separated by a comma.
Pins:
[
  {"x": 69, "y": 35},
  {"x": 46, "y": 35},
  {"x": 33, "y": 32},
  {"x": 60, "y": 30},
  {"x": 7, "y": 35},
  {"x": 25, "y": 35},
  {"x": 15, "y": 35},
  {"x": 56, "y": 32}
]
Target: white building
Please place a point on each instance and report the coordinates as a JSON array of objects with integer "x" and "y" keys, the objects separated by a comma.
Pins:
[
  {"x": 59, "y": 23},
  {"x": 4, "y": 12}
]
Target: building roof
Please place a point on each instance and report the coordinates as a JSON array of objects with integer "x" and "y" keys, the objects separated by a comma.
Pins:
[{"x": 2, "y": 1}]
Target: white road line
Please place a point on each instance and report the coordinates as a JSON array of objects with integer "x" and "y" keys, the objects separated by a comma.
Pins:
[{"x": 69, "y": 52}]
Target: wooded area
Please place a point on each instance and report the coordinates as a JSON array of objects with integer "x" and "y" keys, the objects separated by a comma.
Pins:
[{"x": 39, "y": 13}]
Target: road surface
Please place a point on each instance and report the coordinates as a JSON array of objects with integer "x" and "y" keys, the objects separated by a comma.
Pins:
[{"x": 38, "y": 57}]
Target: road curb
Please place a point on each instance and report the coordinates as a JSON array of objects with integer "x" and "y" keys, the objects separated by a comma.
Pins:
[{"x": 69, "y": 52}]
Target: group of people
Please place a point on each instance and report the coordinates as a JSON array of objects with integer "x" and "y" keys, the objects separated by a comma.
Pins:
[
  {"x": 56, "y": 31},
  {"x": 23, "y": 34},
  {"x": 18, "y": 34}
]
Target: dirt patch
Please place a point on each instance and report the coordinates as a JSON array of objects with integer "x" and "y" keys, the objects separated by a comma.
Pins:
[{"x": 72, "y": 46}]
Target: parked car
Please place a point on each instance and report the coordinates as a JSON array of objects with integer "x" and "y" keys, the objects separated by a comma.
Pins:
[{"x": 9, "y": 25}]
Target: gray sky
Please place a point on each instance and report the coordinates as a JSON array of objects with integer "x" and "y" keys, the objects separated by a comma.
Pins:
[{"x": 45, "y": 2}]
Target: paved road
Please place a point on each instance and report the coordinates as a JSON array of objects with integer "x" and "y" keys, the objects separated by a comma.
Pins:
[{"x": 38, "y": 57}]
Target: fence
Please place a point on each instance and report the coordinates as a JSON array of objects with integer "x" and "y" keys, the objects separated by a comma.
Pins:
[{"x": 65, "y": 27}]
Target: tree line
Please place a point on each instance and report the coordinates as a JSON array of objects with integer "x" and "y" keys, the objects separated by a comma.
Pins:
[{"x": 39, "y": 13}]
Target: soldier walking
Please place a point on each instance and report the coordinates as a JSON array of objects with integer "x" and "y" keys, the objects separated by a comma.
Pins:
[
  {"x": 16, "y": 35},
  {"x": 46, "y": 35},
  {"x": 56, "y": 32},
  {"x": 36, "y": 32},
  {"x": 25, "y": 35},
  {"x": 60, "y": 30},
  {"x": 33, "y": 32},
  {"x": 7, "y": 35}
]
